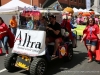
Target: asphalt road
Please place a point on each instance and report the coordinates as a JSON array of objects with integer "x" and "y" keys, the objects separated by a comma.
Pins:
[{"x": 78, "y": 66}]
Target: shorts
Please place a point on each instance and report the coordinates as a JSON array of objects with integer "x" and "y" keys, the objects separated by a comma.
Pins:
[
  {"x": 93, "y": 43},
  {"x": 53, "y": 39}
]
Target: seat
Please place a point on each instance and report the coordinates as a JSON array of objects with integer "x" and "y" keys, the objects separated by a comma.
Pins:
[
  {"x": 52, "y": 43},
  {"x": 43, "y": 28}
]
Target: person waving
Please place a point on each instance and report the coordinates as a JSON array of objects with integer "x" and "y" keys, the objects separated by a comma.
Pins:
[{"x": 91, "y": 36}]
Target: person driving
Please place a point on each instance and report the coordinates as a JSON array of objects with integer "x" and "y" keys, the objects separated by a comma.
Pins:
[
  {"x": 43, "y": 23},
  {"x": 54, "y": 31}
]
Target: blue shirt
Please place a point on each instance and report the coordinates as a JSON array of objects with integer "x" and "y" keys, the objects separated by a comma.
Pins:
[
  {"x": 73, "y": 34},
  {"x": 72, "y": 25},
  {"x": 30, "y": 25}
]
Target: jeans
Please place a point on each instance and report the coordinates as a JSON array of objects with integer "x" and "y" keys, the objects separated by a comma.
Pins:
[
  {"x": 13, "y": 30},
  {"x": 5, "y": 41},
  {"x": 0, "y": 44},
  {"x": 89, "y": 42}
]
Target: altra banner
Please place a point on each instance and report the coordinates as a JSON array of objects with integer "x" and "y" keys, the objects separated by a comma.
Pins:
[{"x": 29, "y": 42}]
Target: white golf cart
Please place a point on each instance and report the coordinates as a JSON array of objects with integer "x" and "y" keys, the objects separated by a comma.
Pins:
[{"x": 30, "y": 53}]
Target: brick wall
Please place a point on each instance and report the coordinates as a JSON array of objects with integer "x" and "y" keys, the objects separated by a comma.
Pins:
[
  {"x": 41, "y": 2},
  {"x": 27, "y": 1},
  {"x": 4, "y": 2},
  {"x": 38, "y": 2},
  {"x": 73, "y": 3},
  {"x": 82, "y": 4},
  {"x": 64, "y": 1},
  {"x": 35, "y": 2}
]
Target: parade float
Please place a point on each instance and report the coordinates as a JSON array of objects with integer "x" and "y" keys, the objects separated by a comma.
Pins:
[{"x": 30, "y": 52}]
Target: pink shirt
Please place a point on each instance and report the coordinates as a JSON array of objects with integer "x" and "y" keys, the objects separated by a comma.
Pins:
[
  {"x": 96, "y": 20},
  {"x": 79, "y": 19}
]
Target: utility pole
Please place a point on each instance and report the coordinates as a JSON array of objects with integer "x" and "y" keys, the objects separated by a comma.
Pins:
[
  {"x": 32, "y": 2},
  {"x": 40, "y": 5},
  {"x": 32, "y": 5}
]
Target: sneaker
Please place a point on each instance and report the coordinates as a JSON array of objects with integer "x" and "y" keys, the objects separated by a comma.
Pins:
[
  {"x": 53, "y": 56},
  {"x": 90, "y": 60},
  {"x": 6, "y": 55}
]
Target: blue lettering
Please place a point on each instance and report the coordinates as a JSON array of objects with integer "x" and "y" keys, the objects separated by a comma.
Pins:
[{"x": 30, "y": 8}]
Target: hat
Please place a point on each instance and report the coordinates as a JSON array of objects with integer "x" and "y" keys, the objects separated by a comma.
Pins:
[{"x": 53, "y": 16}]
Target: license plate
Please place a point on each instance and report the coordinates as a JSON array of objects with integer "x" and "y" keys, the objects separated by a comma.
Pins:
[{"x": 23, "y": 62}]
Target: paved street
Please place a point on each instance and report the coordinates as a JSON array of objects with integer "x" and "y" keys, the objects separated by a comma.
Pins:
[
  {"x": 78, "y": 66},
  {"x": 80, "y": 8}
]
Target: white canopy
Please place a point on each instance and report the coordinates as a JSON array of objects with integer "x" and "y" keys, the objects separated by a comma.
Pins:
[
  {"x": 13, "y": 5},
  {"x": 75, "y": 9},
  {"x": 97, "y": 13},
  {"x": 49, "y": 11}
]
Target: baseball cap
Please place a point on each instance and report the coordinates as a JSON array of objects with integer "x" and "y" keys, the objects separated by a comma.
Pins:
[{"x": 53, "y": 16}]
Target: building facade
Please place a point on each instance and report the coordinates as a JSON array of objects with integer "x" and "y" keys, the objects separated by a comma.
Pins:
[
  {"x": 43, "y": 3},
  {"x": 74, "y": 3}
]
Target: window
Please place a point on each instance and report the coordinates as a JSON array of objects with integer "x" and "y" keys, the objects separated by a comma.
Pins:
[
  {"x": 82, "y": 1},
  {"x": 79, "y": 1},
  {"x": 74, "y": 0}
]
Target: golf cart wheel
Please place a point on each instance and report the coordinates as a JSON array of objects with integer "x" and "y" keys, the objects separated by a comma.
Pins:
[
  {"x": 69, "y": 56},
  {"x": 38, "y": 67},
  {"x": 9, "y": 62}
]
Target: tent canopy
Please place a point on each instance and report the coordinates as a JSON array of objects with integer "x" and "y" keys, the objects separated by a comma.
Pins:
[{"x": 14, "y": 5}]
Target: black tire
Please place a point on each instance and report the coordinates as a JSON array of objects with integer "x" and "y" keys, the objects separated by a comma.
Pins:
[
  {"x": 36, "y": 64},
  {"x": 9, "y": 62},
  {"x": 69, "y": 57}
]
